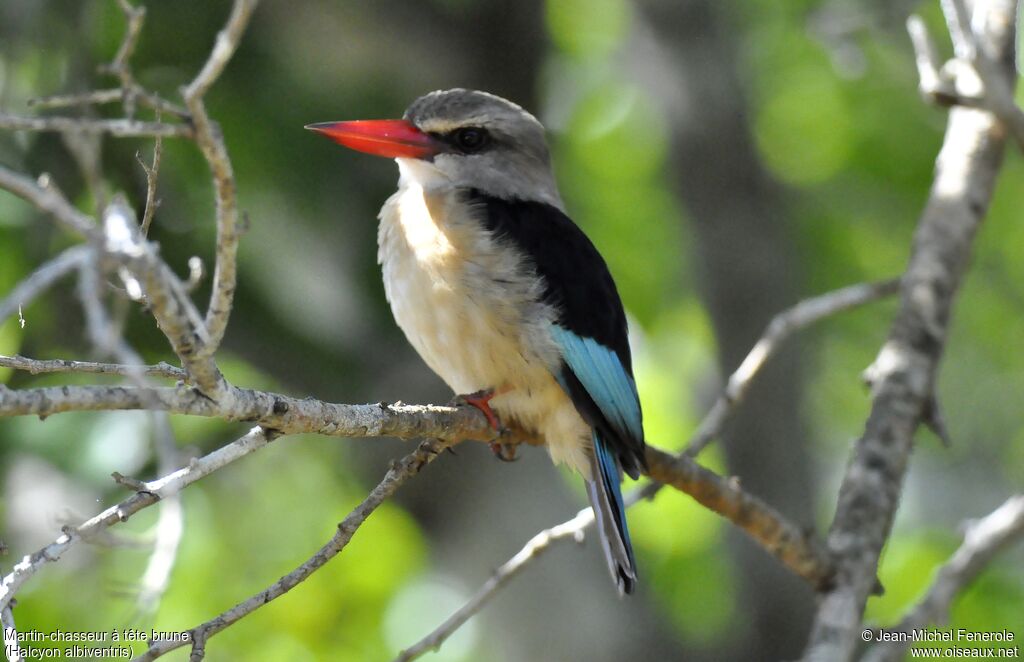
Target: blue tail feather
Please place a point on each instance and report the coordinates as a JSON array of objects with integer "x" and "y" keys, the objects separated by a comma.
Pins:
[{"x": 610, "y": 513}]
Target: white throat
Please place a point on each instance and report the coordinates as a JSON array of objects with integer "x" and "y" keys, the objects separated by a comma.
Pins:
[{"x": 445, "y": 172}]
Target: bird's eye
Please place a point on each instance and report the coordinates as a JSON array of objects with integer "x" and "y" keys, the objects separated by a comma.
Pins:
[{"x": 471, "y": 139}]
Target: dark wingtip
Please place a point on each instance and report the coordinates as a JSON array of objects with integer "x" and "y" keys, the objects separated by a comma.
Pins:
[{"x": 626, "y": 580}]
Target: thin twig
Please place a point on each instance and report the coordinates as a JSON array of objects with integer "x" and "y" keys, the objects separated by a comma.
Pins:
[
  {"x": 399, "y": 472},
  {"x": 41, "y": 280},
  {"x": 211, "y": 142},
  {"x": 121, "y": 128},
  {"x": 154, "y": 491},
  {"x": 784, "y": 324},
  {"x": 113, "y": 95},
  {"x": 984, "y": 539},
  {"x": 41, "y": 366},
  {"x": 152, "y": 172},
  {"x": 224, "y": 48},
  {"x": 119, "y": 66},
  {"x": 570, "y": 530},
  {"x": 45, "y": 195},
  {"x": 931, "y": 83},
  {"x": 958, "y": 22},
  {"x": 972, "y": 79}
]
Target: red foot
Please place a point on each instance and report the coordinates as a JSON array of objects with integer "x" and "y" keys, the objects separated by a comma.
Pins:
[{"x": 481, "y": 400}]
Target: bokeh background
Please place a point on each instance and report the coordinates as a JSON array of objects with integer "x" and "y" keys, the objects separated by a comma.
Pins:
[{"x": 728, "y": 159}]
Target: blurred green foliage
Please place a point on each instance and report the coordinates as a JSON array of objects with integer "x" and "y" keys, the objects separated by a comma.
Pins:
[{"x": 837, "y": 121}]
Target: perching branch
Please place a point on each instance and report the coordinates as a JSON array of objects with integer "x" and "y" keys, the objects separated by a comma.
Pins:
[
  {"x": 984, "y": 539},
  {"x": 904, "y": 374},
  {"x": 283, "y": 413}
]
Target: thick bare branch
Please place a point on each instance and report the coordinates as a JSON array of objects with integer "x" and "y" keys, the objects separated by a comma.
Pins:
[
  {"x": 279, "y": 412},
  {"x": 41, "y": 280},
  {"x": 400, "y": 472},
  {"x": 40, "y": 366},
  {"x": 905, "y": 370}
]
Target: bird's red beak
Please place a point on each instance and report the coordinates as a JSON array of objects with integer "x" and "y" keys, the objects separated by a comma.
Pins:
[{"x": 390, "y": 138}]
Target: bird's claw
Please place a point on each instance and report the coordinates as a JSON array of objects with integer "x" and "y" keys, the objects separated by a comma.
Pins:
[
  {"x": 504, "y": 452},
  {"x": 481, "y": 400}
]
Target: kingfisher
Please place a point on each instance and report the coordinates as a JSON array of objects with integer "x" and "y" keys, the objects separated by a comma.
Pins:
[{"x": 502, "y": 295}]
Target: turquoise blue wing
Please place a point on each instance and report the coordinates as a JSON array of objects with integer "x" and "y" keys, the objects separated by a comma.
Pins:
[{"x": 606, "y": 383}]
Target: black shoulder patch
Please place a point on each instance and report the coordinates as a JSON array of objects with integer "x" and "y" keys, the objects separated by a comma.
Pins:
[
  {"x": 578, "y": 284},
  {"x": 577, "y": 280}
]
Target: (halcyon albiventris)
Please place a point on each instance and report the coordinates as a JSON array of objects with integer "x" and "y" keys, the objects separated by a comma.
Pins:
[{"x": 502, "y": 294}]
